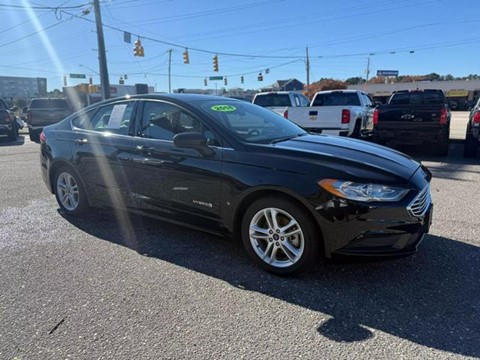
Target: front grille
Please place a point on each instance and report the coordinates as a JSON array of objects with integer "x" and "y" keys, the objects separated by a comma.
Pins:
[{"x": 420, "y": 204}]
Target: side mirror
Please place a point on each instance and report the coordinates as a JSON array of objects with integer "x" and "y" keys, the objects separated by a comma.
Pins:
[{"x": 193, "y": 140}]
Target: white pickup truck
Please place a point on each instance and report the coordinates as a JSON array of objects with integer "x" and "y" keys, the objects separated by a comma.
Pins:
[
  {"x": 336, "y": 112},
  {"x": 280, "y": 101}
]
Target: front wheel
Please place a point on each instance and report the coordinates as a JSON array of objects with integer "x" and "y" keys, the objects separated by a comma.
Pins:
[
  {"x": 280, "y": 236},
  {"x": 69, "y": 192}
]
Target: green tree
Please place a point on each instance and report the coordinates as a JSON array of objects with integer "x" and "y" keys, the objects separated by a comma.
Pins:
[{"x": 355, "y": 80}]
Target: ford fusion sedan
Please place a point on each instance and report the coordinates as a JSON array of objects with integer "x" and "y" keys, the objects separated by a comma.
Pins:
[{"x": 229, "y": 167}]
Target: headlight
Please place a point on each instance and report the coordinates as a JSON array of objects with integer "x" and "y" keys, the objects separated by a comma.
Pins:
[{"x": 362, "y": 192}]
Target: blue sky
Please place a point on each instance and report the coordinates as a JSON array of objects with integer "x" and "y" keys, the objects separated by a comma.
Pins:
[{"x": 41, "y": 41}]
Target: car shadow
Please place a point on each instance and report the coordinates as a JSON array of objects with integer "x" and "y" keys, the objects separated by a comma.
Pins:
[
  {"x": 5, "y": 142},
  {"x": 431, "y": 298}
]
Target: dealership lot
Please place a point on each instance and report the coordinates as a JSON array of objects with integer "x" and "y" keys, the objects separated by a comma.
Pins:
[{"x": 118, "y": 286}]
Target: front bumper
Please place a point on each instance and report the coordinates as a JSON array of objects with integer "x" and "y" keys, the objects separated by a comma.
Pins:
[
  {"x": 396, "y": 239},
  {"x": 378, "y": 228}
]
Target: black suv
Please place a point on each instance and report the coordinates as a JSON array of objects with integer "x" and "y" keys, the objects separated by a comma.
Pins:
[
  {"x": 8, "y": 123},
  {"x": 472, "y": 138}
]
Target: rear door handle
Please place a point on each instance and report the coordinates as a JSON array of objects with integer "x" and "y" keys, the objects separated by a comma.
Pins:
[
  {"x": 313, "y": 113},
  {"x": 80, "y": 141}
]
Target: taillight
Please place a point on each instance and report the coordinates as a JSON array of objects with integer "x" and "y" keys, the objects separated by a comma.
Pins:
[
  {"x": 476, "y": 117},
  {"x": 285, "y": 114},
  {"x": 8, "y": 118},
  {"x": 375, "y": 117},
  {"x": 29, "y": 116},
  {"x": 43, "y": 138},
  {"x": 345, "y": 116},
  {"x": 443, "y": 116}
]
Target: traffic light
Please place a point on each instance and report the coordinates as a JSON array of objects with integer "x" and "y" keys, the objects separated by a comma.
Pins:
[
  {"x": 215, "y": 63},
  {"x": 186, "y": 58},
  {"x": 121, "y": 81},
  {"x": 225, "y": 81},
  {"x": 260, "y": 77},
  {"x": 138, "y": 49},
  {"x": 90, "y": 80},
  {"x": 241, "y": 79},
  {"x": 205, "y": 82}
]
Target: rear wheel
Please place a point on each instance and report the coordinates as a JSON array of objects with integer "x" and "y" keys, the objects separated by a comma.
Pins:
[
  {"x": 280, "y": 236},
  {"x": 442, "y": 148},
  {"x": 356, "y": 129},
  {"x": 13, "y": 134},
  {"x": 69, "y": 192},
  {"x": 471, "y": 147},
  {"x": 34, "y": 135}
]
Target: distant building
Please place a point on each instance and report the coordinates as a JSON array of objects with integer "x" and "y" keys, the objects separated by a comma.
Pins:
[
  {"x": 12, "y": 87},
  {"x": 82, "y": 95},
  {"x": 460, "y": 93},
  {"x": 285, "y": 85}
]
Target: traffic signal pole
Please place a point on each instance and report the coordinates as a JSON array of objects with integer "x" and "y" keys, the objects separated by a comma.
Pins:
[{"x": 102, "y": 56}]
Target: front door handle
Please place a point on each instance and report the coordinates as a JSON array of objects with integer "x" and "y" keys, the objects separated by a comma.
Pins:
[
  {"x": 145, "y": 149},
  {"x": 80, "y": 141}
]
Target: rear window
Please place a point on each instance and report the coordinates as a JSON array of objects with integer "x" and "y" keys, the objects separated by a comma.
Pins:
[
  {"x": 418, "y": 98},
  {"x": 49, "y": 103},
  {"x": 3, "y": 105},
  {"x": 272, "y": 100},
  {"x": 337, "y": 99}
]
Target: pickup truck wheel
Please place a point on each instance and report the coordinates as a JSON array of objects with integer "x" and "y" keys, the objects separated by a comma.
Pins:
[
  {"x": 34, "y": 135},
  {"x": 279, "y": 236},
  {"x": 442, "y": 148},
  {"x": 356, "y": 129},
  {"x": 471, "y": 147},
  {"x": 69, "y": 192},
  {"x": 13, "y": 135}
]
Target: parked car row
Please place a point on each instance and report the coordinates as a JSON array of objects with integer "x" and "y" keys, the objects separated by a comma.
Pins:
[
  {"x": 409, "y": 118},
  {"x": 229, "y": 167}
]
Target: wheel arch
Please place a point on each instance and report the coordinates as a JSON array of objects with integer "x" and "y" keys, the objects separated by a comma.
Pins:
[
  {"x": 58, "y": 165},
  {"x": 256, "y": 194}
]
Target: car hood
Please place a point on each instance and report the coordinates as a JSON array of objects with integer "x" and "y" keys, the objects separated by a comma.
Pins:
[{"x": 356, "y": 160}]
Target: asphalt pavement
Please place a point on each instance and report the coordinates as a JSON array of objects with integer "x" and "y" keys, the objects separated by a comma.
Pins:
[{"x": 117, "y": 286}]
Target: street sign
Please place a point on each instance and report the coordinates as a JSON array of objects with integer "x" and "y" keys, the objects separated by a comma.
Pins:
[
  {"x": 77, "y": 76},
  {"x": 387, "y": 72},
  {"x": 215, "y": 78}
]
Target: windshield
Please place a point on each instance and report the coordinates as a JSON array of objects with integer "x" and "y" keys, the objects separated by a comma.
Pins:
[
  {"x": 272, "y": 100},
  {"x": 251, "y": 123}
]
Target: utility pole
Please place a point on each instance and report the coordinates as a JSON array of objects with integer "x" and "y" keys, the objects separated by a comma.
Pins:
[
  {"x": 368, "y": 73},
  {"x": 308, "y": 74},
  {"x": 102, "y": 56},
  {"x": 170, "y": 71}
]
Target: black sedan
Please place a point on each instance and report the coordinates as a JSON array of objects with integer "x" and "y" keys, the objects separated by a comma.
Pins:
[{"x": 232, "y": 168}]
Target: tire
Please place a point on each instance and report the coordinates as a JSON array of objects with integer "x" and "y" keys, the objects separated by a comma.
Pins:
[
  {"x": 442, "y": 148},
  {"x": 13, "y": 135},
  {"x": 471, "y": 147},
  {"x": 69, "y": 192},
  {"x": 34, "y": 135},
  {"x": 263, "y": 240},
  {"x": 356, "y": 129}
]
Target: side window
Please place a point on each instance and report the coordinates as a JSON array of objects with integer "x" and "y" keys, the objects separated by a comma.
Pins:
[
  {"x": 163, "y": 121},
  {"x": 297, "y": 100},
  {"x": 114, "y": 118}
]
